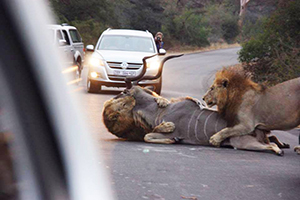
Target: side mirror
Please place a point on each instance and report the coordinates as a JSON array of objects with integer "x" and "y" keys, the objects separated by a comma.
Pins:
[
  {"x": 90, "y": 47},
  {"x": 162, "y": 52},
  {"x": 62, "y": 42}
]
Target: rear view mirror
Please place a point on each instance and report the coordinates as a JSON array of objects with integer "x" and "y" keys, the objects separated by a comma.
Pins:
[
  {"x": 62, "y": 42},
  {"x": 162, "y": 52},
  {"x": 90, "y": 47}
]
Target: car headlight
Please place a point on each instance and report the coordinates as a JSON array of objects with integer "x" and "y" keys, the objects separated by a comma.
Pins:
[
  {"x": 94, "y": 74},
  {"x": 153, "y": 64},
  {"x": 95, "y": 62}
]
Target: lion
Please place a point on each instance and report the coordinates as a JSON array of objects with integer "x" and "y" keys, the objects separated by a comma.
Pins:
[
  {"x": 140, "y": 114},
  {"x": 247, "y": 106},
  {"x": 297, "y": 149}
]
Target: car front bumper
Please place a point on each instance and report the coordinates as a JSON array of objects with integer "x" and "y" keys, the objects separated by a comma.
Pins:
[{"x": 111, "y": 80}]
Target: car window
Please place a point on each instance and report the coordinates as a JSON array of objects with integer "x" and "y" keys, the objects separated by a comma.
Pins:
[
  {"x": 126, "y": 43},
  {"x": 75, "y": 36},
  {"x": 59, "y": 35},
  {"x": 66, "y": 37}
]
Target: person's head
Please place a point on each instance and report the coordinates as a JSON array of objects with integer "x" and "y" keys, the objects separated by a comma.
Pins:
[{"x": 159, "y": 36}]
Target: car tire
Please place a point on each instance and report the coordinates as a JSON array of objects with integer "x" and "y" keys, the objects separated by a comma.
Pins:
[
  {"x": 78, "y": 72},
  {"x": 157, "y": 87},
  {"x": 93, "y": 86}
]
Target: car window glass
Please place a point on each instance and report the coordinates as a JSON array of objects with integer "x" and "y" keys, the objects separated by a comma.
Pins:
[
  {"x": 66, "y": 37},
  {"x": 75, "y": 36},
  {"x": 59, "y": 35},
  {"x": 126, "y": 43}
]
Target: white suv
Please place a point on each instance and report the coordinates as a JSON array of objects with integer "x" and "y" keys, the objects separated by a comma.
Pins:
[
  {"x": 118, "y": 54},
  {"x": 70, "y": 45}
]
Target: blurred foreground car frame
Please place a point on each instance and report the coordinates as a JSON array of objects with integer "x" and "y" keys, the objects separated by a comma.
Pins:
[{"x": 54, "y": 157}]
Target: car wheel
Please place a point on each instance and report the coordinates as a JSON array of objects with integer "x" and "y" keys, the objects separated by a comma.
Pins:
[
  {"x": 93, "y": 87},
  {"x": 78, "y": 72},
  {"x": 158, "y": 87}
]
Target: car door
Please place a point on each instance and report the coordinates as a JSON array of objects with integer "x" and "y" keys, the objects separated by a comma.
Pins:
[
  {"x": 76, "y": 43},
  {"x": 68, "y": 49},
  {"x": 63, "y": 49}
]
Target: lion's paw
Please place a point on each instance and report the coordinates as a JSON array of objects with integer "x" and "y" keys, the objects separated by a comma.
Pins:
[
  {"x": 165, "y": 127},
  {"x": 285, "y": 146},
  {"x": 297, "y": 149},
  {"x": 280, "y": 153},
  {"x": 162, "y": 102},
  {"x": 215, "y": 140},
  {"x": 168, "y": 127}
]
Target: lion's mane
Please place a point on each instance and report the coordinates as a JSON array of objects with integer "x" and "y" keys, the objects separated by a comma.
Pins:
[
  {"x": 238, "y": 82},
  {"x": 119, "y": 120}
]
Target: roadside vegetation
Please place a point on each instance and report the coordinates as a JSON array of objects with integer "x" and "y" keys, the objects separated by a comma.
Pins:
[
  {"x": 189, "y": 23},
  {"x": 268, "y": 30},
  {"x": 272, "y": 52}
]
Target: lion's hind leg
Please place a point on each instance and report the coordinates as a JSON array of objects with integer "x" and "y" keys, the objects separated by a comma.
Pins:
[
  {"x": 257, "y": 142},
  {"x": 248, "y": 142},
  {"x": 263, "y": 137},
  {"x": 275, "y": 140}
]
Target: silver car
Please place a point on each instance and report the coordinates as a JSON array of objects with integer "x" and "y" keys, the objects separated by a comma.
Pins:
[
  {"x": 70, "y": 45},
  {"x": 118, "y": 54}
]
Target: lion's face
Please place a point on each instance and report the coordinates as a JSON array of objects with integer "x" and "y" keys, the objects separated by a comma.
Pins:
[
  {"x": 217, "y": 92},
  {"x": 117, "y": 114}
]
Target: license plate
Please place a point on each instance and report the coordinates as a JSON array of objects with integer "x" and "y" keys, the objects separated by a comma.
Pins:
[{"x": 124, "y": 73}]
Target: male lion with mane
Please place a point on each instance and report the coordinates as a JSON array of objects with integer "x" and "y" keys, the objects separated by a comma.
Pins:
[
  {"x": 140, "y": 114},
  {"x": 247, "y": 106}
]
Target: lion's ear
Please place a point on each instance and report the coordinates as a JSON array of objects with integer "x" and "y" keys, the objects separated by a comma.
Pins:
[{"x": 225, "y": 82}]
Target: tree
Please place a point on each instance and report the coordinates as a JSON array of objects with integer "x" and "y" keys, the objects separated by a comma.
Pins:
[
  {"x": 141, "y": 15},
  {"x": 243, "y": 7}
]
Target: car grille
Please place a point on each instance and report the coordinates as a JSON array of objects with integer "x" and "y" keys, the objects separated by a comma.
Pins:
[
  {"x": 131, "y": 66},
  {"x": 116, "y": 78}
]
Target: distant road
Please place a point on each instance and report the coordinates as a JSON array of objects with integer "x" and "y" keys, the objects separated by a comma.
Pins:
[{"x": 192, "y": 74}]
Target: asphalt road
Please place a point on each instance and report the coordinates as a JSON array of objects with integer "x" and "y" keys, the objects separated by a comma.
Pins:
[{"x": 172, "y": 172}]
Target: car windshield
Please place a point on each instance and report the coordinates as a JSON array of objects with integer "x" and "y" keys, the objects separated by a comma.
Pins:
[{"x": 126, "y": 43}]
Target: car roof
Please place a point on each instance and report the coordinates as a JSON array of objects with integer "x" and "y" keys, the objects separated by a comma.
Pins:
[
  {"x": 127, "y": 32},
  {"x": 57, "y": 26}
]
